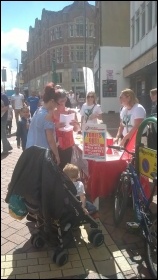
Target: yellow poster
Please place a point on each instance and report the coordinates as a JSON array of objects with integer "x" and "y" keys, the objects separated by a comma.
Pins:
[{"x": 147, "y": 161}]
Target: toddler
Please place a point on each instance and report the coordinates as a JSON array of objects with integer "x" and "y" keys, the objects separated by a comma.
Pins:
[
  {"x": 23, "y": 127},
  {"x": 72, "y": 172}
]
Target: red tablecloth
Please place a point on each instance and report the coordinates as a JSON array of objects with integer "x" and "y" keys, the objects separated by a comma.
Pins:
[{"x": 104, "y": 177}]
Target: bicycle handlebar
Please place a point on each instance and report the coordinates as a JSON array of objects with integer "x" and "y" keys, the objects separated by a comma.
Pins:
[{"x": 119, "y": 148}]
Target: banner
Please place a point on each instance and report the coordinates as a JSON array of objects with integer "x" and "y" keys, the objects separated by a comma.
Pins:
[
  {"x": 88, "y": 79},
  {"x": 94, "y": 142}
]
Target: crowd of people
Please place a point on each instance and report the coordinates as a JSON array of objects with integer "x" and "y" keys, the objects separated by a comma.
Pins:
[{"x": 40, "y": 124}]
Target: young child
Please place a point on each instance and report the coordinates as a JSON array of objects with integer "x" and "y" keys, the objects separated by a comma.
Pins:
[
  {"x": 23, "y": 127},
  {"x": 9, "y": 120},
  {"x": 72, "y": 172}
]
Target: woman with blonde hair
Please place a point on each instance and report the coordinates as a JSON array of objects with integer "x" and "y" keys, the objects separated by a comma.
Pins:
[
  {"x": 90, "y": 111},
  {"x": 131, "y": 116}
]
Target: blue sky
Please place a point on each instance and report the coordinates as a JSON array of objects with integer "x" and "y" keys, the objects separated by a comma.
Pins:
[{"x": 16, "y": 18}]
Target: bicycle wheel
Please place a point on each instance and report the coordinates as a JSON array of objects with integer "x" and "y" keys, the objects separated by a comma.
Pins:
[
  {"x": 120, "y": 199},
  {"x": 151, "y": 249}
]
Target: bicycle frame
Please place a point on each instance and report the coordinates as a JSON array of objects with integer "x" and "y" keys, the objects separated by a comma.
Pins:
[{"x": 140, "y": 202}]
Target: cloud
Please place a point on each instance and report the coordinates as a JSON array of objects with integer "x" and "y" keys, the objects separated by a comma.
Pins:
[{"x": 12, "y": 42}]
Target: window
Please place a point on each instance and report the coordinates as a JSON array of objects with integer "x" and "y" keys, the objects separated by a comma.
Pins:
[
  {"x": 59, "y": 78},
  {"x": 80, "y": 53},
  {"x": 133, "y": 32},
  {"x": 143, "y": 20},
  {"x": 90, "y": 53},
  {"x": 52, "y": 35},
  {"x": 91, "y": 30},
  {"x": 79, "y": 27},
  {"x": 149, "y": 13},
  {"x": 71, "y": 28},
  {"x": 137, "y": 27},
  {"x": 79, "y": 77},
  {"x": 72, "y": 54},
  {"x": 59, "y": 55}
]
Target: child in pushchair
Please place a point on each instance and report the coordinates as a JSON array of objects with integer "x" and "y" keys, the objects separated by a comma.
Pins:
[{"x": 48, "y": 194}]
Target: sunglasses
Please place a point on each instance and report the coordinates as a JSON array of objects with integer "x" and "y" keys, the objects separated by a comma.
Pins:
[{"x": 90, "y": 96}]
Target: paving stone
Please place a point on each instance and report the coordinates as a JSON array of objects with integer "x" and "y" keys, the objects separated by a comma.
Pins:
[
  {"x": 76, "y": 263},
  {"x": 84, "y": 254},
  {"x": 115, "y": 251},
  {"x": 122, "y": 263},
  {"x": 16, "y": 257},
  {"x": 27, "y": 262},
  {"x": 15, "y": 270},
  {"x": 50, "y": 274},
  {"x": 28, "y": 276},
  {"x": 100, "y": 253},
  {"x": 38, "y": 254},
  {"x": 89, "y": 265},
  {"x": 8, "y": 264},
  {"x": 7, "y": 247},
  {"x": 108, "y": 240},
  {"x": 107, "y": 268},
  {"x": 38, "y": 268},
  {"x": 73, "y": 271}
]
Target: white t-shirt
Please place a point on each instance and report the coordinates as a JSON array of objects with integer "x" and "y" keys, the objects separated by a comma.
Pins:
[
  {"x": 79, "y": 187},
  {"x": 18, "y": 98},
  {"x": 72, "y": 99},
  {"x": 86, "y": 111},
  {"x": 128, "y": 116}
]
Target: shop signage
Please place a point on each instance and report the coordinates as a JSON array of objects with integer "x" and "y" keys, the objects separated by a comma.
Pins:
[
  {"x": 147, "y": 161},
  {"x": 94, "y": 142}
]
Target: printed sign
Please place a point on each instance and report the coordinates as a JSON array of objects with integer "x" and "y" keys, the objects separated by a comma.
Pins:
[
  {"x": 94, "y": 142},
  {"x": 147, "y": 161}
]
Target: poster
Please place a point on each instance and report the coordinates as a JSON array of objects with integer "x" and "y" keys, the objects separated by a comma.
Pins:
[
  {"x": 94, "y": 142},
  {"x": 147, "y": 161}
]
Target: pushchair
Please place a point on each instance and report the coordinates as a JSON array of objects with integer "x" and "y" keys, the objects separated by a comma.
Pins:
[{"x": 50, "y": 196}]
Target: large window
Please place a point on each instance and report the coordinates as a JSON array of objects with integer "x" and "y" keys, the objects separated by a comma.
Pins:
[
  {"x": 59, "y": 53},
  {"x": 79, "y": 77},
  {"x": 91, "y": 30},
  {"x": 133, "y": 32},
  {"x": 59, "y": 78},
  {"x": 137, "y": 26},
  {"x": 79, "y": 27},
  {"x": 71, "y": 29},
  {"x": 80, "y": 53},
  {"x": 143, "y": 20},
  {"x": 149, "y": 13}
]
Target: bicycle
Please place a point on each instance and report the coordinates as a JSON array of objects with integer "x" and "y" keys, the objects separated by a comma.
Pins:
[{"x": 146, "y": 223}]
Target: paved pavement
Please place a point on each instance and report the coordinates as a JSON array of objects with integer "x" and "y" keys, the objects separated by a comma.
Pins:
[{"x": 120, "y": 257}]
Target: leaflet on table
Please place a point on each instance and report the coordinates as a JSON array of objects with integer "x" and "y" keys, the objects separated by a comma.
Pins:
[
  {"x": 67, "y": 119},
  {"x": 94, "y": 142}
]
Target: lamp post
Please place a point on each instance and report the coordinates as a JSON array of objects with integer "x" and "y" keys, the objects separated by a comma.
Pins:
[
  {"x": 17, "y": 67},
  {"x": 85, "y": 45},
  {"x": 4, "y": 77}
]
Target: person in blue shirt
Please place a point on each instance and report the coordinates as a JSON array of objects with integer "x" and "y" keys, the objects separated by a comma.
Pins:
[
  {"x": 4, "y": 115},
  {"x": 34, "y": 102},
  {"x": 23, "y": 127},
  {"x": 42, "y": 130}
]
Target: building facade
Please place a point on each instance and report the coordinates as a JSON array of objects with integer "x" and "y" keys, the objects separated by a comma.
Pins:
[
  {"x": 59, "y": 45},
  {"x": 113, "y": 51},
  {"x": 126, "y": 56},
  {"x": 142, "y": 67}
]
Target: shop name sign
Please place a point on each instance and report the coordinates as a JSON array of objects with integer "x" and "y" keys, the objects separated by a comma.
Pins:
[{"x": 94, "y": 142}]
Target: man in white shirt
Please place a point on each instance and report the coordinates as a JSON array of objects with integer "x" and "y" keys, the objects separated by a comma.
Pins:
[{"x": 17, "y": 101}]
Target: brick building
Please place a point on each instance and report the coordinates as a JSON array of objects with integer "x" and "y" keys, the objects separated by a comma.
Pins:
[{"x": 59, "y": 45}]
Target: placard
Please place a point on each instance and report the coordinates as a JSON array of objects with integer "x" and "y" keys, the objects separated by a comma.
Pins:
[
  {"x": 109, "y": 88},
  {"x": 147, "y": 161},
  {"x": 94, "y": 142}
]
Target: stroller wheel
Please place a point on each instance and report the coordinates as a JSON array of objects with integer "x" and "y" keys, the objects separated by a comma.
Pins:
[
  {"x": 98, "y": 239},
  {"x": 37, "y": 241},
  {"x": 92, "y": 233},
  {"x": 62, "y": 258}
]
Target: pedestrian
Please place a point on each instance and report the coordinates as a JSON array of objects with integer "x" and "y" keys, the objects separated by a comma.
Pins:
[
  {"x": 90, "y": 110},
  {"x": 34, "y": 102},
  {"x": 72, "y": 172},
  {"x": 65, "y": 139},
  {"x": 17, "y": 101},
  {"x": 42, "y": 130},
  {"x": 152, "y": 127},
  {"x": 131, "y": 116},
  {"x": 72, "y": 99},
  {"x": 4, "y": 115},
  {"x": 153, "y": 96},
  {"x": 23, "y": 127},
  {"x": 9, "y": 119}
]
